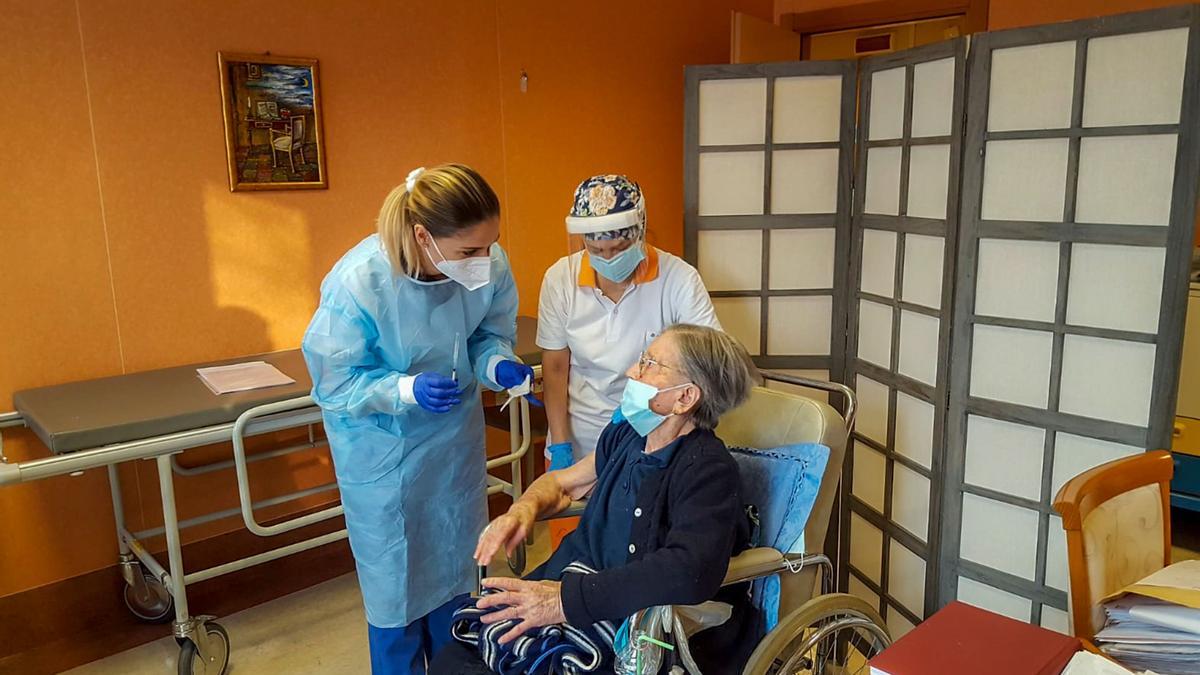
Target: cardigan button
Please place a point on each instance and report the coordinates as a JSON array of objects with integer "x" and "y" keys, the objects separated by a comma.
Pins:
[
  {"x": 637, "y": 513},
  {"x": 632, "y": 548}
]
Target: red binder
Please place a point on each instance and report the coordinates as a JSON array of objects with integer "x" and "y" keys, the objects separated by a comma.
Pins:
[{"x": 962, "y": 639}]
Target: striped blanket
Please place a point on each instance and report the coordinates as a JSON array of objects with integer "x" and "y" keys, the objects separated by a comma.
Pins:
[{"x": 551, "y": 650}]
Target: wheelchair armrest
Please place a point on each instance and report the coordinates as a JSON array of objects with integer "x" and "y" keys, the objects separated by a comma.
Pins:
[
  {"x": 575, "y": 509},
  {"x": 752, "y": 564}
]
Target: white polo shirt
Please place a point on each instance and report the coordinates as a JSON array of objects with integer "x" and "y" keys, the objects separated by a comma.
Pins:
[{"x": 606, "y": 337}]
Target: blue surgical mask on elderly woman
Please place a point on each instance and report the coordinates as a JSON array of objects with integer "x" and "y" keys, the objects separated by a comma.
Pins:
[
  {"x": 619, "y": 267},
  {"x": 635, "y": 405}
]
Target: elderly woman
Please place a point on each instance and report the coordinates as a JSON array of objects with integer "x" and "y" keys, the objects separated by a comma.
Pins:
[{"x": 664, "y": 514}]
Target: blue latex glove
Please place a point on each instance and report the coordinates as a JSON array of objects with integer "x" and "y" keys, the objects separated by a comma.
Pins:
[
  {"x": 561, "y": 456},
  {"x": 436, "y": 393},
  {"x": 510, "y": 374}
]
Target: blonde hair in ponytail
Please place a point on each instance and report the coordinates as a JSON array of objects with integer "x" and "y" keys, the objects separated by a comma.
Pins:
[{"x": 445, "y": 200}]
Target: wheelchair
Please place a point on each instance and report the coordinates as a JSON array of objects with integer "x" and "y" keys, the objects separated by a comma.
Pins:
[{"x": 819, "y": 632}]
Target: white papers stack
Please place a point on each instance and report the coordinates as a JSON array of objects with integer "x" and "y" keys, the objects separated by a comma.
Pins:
[
  {"x": 1087, "y": 663},
  {"x": 1146, "y": 633},
  {"x": 242, "y": 377}
]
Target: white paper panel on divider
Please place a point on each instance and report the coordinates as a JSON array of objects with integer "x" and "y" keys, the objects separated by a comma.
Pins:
[
  {"x": 741, "y": 318},
  {"x": 731, "y": 183},
  {"x": 1115, "y": 287},
  {"x": 919, "y": 347},
  {"x": 1057, "y": 571},
  {"x": 804, "y": 181},
  {"x": 906, "y": 577},
  {"x": 928, "y": 178},
  {"x": 1056, "y": 620},
  {"x": 1016, "y": 551},
  {"x": 733, "y": 112},
  {"x": 1011, "y": 364},
  {"x": 731, "y": 260},
  {"x": 914, "y": 429},
  {"x": 1005, "y": 456},
  {"x": 883, "y": 181},
  {"x": 802, "y": 258},
  {"x": 820, "y": 375},
  {"x": 875, "y": 333},
  {"x": 1017, "y": 279},
  {"x": 887, "y": 104},
  {"x": 807, "y": 109},
  {"x": 1025, "y": 180},
  {"x": 873, "y": 409},
  {"x": 1031, "y": 87},
  {"x": 866, "y": 548},
  {"x": 869, "y": 476},
  {"x": 933, "y": 98},
  {"x": 923, "y": 264},
  {"x": 898, "y": 626},
  {"x": 1075, "y": 454},
  {"x": 1107, "y": 379},
  {"x": 858, "y": 589},
  {"x": 994, "y": 600},
  {"x": 910, "y": 501},
  {"x": 879, "y": 263},
  {"x": 1135, "y": 78},
  {"x": 1126, "y": 180},
  {"x": 799, "y": 325}
]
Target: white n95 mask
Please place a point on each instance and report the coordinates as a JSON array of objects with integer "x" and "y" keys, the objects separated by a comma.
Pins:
[{"x": 472, "y": 273}]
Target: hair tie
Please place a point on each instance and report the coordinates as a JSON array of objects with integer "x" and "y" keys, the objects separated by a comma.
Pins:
[{"x": 413, "y": 175}]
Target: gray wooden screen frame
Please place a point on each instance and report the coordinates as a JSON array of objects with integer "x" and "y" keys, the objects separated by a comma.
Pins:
[
  {"x": 936, "y": 395},
  {"x": 1176, "y": 237},
  {"x": 834, "y": 362}
]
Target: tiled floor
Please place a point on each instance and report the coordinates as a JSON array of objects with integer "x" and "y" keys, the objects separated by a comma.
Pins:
[{"x": 318, "y": 630}]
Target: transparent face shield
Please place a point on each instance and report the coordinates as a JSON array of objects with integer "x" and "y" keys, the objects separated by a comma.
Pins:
[{"x": 603, "y": 248}]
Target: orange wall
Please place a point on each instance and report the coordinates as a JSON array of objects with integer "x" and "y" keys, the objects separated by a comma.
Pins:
[
  {"x": 605, "y": 95},
  {"x": 121, "y": 248},
  {"x": 1015, "y": 13},
  {"x": 124, "y": 249}
]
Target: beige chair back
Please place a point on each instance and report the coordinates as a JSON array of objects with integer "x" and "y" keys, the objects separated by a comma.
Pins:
[{"x": 770, "y": 419}]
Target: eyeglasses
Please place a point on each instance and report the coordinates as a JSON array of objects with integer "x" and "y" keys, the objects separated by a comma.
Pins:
[{"x": 644, "y": 362}]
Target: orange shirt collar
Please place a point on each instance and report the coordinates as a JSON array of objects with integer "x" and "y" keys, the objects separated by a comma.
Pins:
[{"x": 646, "y": 272}]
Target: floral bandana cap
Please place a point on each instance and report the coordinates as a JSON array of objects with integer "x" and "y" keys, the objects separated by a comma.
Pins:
[{"x": 607, "y": 203}]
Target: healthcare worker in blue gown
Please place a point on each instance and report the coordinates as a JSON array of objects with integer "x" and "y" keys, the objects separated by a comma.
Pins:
[{"x": 408, "y": 439}]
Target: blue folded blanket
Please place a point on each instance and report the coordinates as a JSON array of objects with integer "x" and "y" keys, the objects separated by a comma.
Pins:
[{"x": 550, "y": 650}]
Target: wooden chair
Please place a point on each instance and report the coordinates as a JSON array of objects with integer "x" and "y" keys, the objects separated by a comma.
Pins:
[
  {"x": 1117, "y": 518},
  {"x": 290, "y": 142}
]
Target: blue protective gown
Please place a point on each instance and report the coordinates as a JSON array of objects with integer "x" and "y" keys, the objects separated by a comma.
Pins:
[{"x": 412, "y": 482}]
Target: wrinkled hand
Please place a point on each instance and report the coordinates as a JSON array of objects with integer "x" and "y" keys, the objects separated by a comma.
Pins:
[
  {"x": 533, "y": 603},
  {"x": 511, "y": 374},
  {"x": 436, "y": 393},
  {"x": 507, "y": 532}
]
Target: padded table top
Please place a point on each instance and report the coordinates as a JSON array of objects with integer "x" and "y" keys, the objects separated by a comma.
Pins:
[{"x": 94, "y": 413}]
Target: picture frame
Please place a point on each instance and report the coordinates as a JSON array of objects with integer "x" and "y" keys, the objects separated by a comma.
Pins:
[{"x": 271, "y": 106}]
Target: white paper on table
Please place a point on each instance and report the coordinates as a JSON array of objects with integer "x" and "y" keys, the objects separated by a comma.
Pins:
[
  {"x": 1184, "y": 574},
  {"x": 242, "y": 377},
  {"x": 1087, "y": 663}
]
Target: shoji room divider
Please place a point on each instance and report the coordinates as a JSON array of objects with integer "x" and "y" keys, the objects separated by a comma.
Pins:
[
  {"x": 904, "y": 228},
  {"x": 990, "y": 241}
]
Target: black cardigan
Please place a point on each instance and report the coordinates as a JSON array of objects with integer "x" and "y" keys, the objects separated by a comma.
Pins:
[{"x": 696, "y": 522}]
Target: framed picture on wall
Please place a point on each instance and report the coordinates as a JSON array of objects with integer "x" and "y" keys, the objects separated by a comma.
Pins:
[{"x": 272, "y": 111}]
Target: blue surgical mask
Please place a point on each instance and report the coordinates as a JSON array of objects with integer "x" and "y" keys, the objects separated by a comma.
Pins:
[
  {"x": 620, "y": 266},
  {"x": 635, "y": 405}
]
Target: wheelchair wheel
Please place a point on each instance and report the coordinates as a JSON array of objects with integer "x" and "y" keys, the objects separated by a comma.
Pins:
[{"x": 834, "y": 634}]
